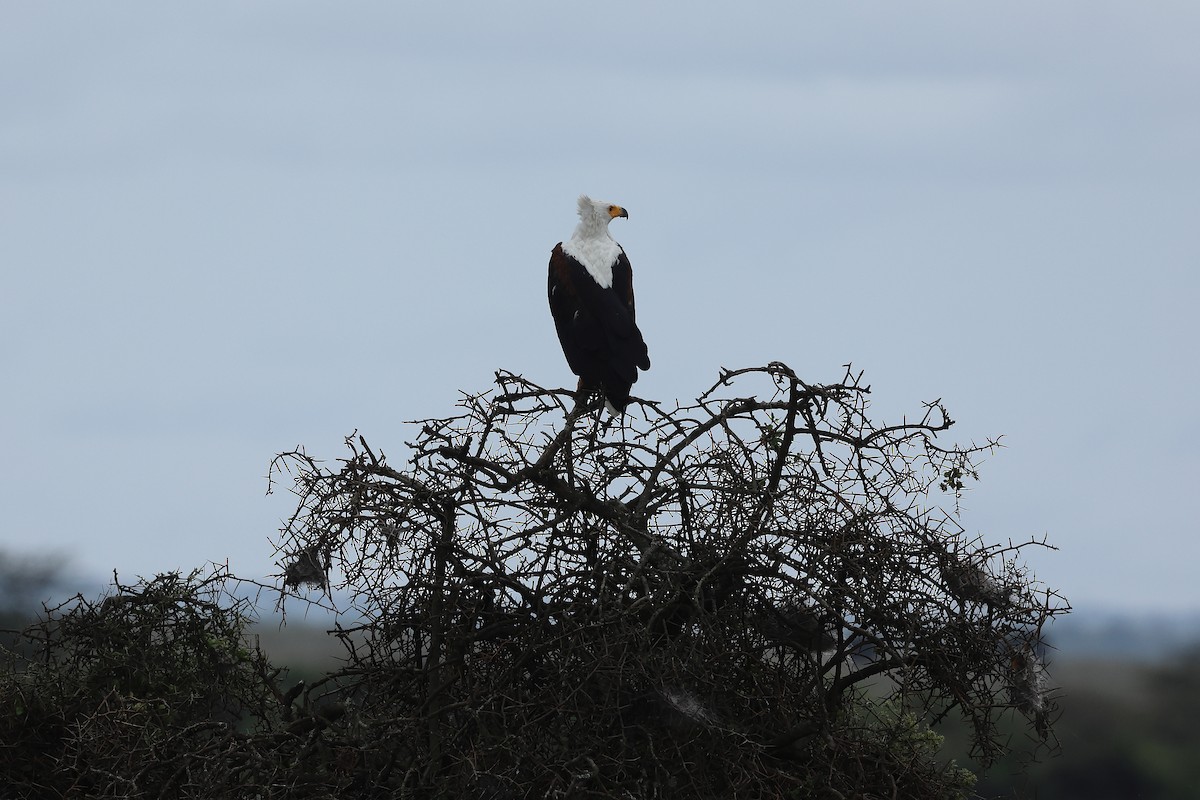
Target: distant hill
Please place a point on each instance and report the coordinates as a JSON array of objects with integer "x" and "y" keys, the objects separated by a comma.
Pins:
[{"x": 1128, "y": 636}]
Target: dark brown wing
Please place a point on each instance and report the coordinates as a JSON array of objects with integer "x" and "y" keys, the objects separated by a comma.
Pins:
[
  {"x": 575, "y": 338},
  {"x": 623, "y": 286}
]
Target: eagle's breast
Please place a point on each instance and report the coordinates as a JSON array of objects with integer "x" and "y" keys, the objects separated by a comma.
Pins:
[{"x": 597, "y": 255}]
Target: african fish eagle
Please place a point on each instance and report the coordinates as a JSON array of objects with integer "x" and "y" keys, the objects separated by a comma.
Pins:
[{"x": 591, "y": 298}]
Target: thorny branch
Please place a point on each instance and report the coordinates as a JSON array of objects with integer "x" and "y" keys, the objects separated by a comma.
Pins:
[{"x": 548, "y": 602}]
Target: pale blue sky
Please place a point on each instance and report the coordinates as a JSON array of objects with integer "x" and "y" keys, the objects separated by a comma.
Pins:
[{"x": 230, "y": 228}]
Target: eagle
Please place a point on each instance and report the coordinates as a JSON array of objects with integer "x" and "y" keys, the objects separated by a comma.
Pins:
[{"x": 590, "y": 288}]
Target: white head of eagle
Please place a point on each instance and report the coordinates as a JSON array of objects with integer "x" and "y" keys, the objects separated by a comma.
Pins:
[{"x": 591, "y": 299}]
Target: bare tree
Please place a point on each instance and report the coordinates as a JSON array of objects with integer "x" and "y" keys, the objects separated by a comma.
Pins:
[
  {"x": 141, "y": 694},
  {"x": 753, "y": 594}
]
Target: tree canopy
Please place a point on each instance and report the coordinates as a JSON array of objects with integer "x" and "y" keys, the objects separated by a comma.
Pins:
[
  {"x": 760, "y": 594},
  {"x": 753, "y": 591}
]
